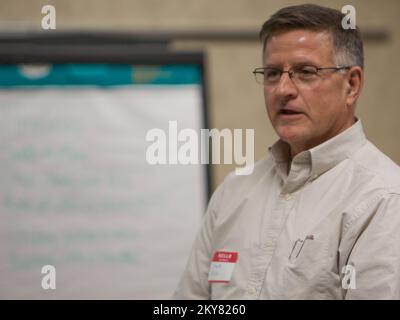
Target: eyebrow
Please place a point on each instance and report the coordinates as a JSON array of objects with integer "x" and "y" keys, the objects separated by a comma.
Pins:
[
  {"x": 272, "y": 66},
  {"x": 300, "y": 63}
]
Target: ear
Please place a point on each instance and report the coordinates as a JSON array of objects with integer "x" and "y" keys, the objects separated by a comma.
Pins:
[{"x": 354, "y": 84}]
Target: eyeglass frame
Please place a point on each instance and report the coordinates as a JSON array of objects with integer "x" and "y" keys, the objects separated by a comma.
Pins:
[{"x": 290, "y": 72}]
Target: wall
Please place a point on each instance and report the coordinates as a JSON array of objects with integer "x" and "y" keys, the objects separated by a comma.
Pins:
[{"x": 235, "y": 100}]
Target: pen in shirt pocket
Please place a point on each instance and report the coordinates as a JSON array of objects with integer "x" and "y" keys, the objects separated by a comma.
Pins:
[{"x": 298, "y": 246}]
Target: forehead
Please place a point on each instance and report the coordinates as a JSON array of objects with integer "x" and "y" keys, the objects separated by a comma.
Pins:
[{"x": 298, "y": 45}]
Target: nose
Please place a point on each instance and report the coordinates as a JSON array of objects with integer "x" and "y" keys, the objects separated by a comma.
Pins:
[{"x": 286, "y": 87}]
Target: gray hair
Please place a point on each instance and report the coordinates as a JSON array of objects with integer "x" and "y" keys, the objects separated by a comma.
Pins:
[{"x": 347, "y": 43}]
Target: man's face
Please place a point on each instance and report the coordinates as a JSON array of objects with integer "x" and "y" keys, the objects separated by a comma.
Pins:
[{"x": 306, "y": 114}]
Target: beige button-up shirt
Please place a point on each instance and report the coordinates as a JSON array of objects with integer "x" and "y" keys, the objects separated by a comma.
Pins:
[{"x": 325, "y": 226}]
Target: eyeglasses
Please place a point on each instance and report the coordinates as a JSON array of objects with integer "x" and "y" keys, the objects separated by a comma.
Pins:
[{"x": 303, "y": 74}]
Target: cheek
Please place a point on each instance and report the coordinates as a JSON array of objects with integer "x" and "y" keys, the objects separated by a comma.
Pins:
[
  {"x": 330, "y": 106},
  {"x": 334, "y": 97},
  {"x": 269, "y": 102},
  {"x": 324, "y": 106}
]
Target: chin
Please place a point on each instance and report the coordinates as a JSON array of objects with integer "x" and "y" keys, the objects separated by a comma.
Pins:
[{"x": 290, "y": 133}]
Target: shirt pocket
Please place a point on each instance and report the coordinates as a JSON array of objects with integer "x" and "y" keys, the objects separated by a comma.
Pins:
[{"x": 303, "y": 273}]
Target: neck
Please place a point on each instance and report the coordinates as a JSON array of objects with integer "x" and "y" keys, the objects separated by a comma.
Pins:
[{"x": 297, "y": 148}]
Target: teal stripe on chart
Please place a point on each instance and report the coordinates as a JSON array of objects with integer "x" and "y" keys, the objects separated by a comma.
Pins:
[{"x": 103, "y": 75}]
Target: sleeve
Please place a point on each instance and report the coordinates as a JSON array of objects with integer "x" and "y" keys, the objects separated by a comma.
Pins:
[
  {"x": 375, "y": 257},
  {"x": 194, "y": 281}
]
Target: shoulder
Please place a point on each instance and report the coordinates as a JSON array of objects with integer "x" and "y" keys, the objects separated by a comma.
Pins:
[
  {"x": 372, "y": 167},
  {"x": 374, "y": 186}
]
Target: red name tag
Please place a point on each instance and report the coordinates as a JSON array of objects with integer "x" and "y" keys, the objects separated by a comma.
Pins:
[
  {"x": 224, "y": 256},
  {"x": 222, "y": 265}
]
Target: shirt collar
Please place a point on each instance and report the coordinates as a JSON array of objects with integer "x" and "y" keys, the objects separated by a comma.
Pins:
[{"x": 322, "y": 157}]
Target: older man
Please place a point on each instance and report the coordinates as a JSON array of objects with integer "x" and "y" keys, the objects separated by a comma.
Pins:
[{"x": 319, "y": 218}]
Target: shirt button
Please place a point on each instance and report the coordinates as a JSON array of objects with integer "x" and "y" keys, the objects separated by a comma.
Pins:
[
  {"x": 252, "y": 291},
  {"x": 287, "y": 196},
  {"x": 269, "y": 243}
]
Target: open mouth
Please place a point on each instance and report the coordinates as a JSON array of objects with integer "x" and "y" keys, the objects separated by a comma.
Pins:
[{"x": 288, "y": 112}]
